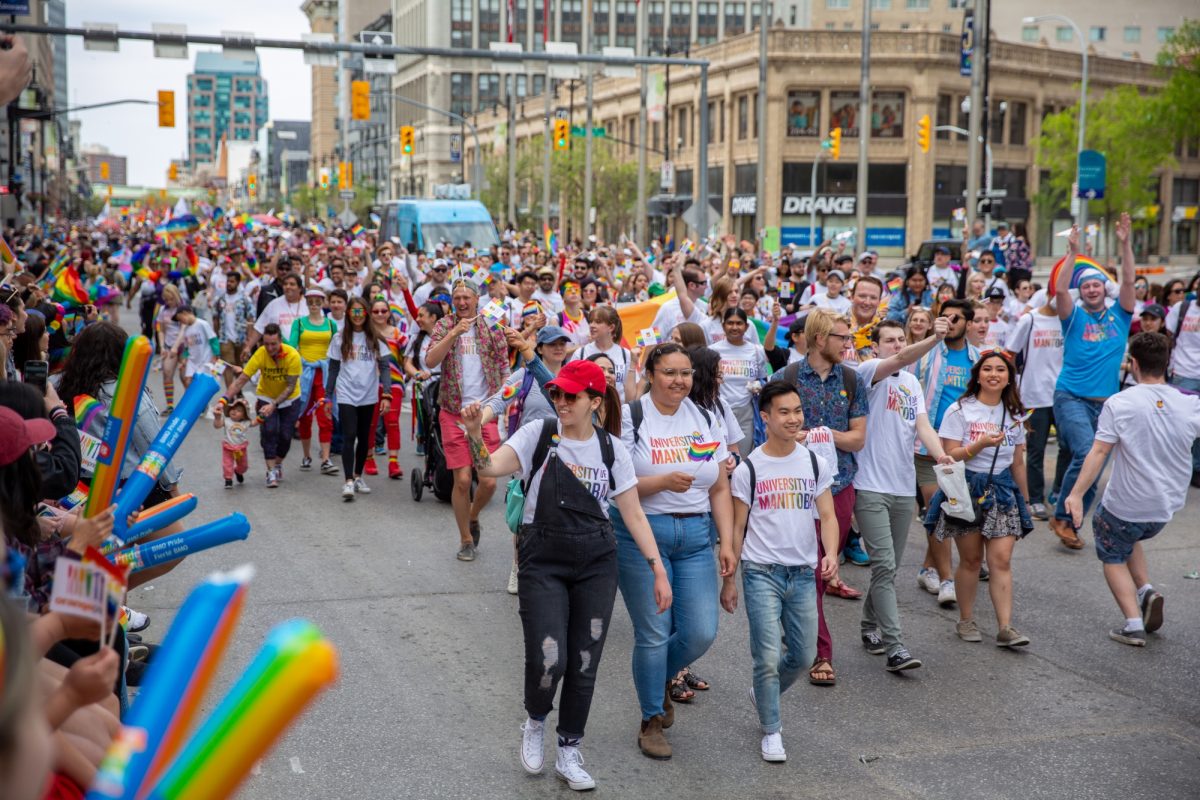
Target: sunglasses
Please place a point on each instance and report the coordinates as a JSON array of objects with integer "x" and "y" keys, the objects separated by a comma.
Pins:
[
  {"x": 557, "y": 395},
  {"x": 380, "y": 312}
]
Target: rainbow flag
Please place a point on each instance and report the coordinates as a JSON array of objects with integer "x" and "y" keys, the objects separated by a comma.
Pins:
[
  {"x": 76, "y": 497},
  {"x": 648, "y": 336},
  {"x": 894, "y": 284},
  {"x": 530, "y": 309},
  {"x": 356, "y": 229},
  {"x": 1082, "y": 264},
  {"x": 702, "y": 451},
  {"x": 551, "y": 240},
  {"x": 69, "y": 289},
  {"x": 103, "y": 294},
  {"x": 6, "y": 254},
  {"x": 86, "y": 409}
]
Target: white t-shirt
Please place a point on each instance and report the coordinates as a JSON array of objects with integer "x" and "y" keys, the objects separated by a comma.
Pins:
[
  {"x": 997, "y": 334},
  {"x": 1185, "y": 358},
  {"x": 1041, "y": 339},
  {"x": 282, "y": 313},
  {"x": 740, "y": 364},
  {"x": 195, "y": 338},
  {"x": 578, "y": 331},
  {"x": 840, "y": 304},
  {"x": 425, "y": 291},
  {"x": 781, "y": 528},
  {"x": 474, "y": 387},
  {"x": 730, "y": 427},
  {"x": 616, "y": 354},
  {"x": 421, "y": 360},
  {"x": 552, "y": 302},
  {"x": 1153, "y": 427},
  {"x": 969, "y": 420},
  {"x": 714, "y": 329},
  {"x": 885, "y": 464},
  {"x": 585, "y": 459},
  {"x": 940, "y": 275},
  {"x": 358, "y": 375},
  {"x": 668, "y": 444}
]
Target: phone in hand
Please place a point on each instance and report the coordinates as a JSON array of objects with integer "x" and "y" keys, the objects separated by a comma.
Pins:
[{"x": 36, "y": 373}]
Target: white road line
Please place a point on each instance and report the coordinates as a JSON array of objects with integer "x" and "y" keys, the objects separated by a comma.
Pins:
[{"x": 296, "y": 768}]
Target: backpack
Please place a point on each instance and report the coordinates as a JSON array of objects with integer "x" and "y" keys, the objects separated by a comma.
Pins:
[
  {"x": 849, "y": 378},
  {"x": 518, "y": 406},
  {"x": 514, "y": 500},
  {"x": 636, "y": 415},
  {"x": 812, "y": 457}
]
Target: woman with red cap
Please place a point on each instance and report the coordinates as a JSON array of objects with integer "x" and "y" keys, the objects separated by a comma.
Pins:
[{"x": 572, "y": 470}]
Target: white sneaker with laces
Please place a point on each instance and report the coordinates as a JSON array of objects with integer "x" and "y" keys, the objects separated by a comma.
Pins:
[
  {"x": 512, "y": 579},
  {"x": 928, "y": 580},
  {"x": 361, "y": 487},
  {"x": 946, "y": 595},
  {"x": 772, "y": 748},
  {"x": 348, "y": 491},
  {"x": 138, "y": 621},
  {"x": 533, "y": 734},
  {"x": 569, "y": 767}
]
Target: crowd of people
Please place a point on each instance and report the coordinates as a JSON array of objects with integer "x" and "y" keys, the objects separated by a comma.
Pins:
[{"x": 775, "y": 415}]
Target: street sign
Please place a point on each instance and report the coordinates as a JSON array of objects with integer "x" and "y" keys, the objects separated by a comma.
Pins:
[
  {"x": 559, "y": 70},
  {"x": 346, "y": 194},
  {"x": 347, "y": 217},
  {"x": 560, "y": 113},
  {"x": 456, "y": 147},
  {"x": 667, "y": 176},
  {"x": 968, "y": 45},
  {"x": 385, "y": 65},
  {"x": 580, "y": 131},
  {"x": 614, "y": 71},
  {"x": 16, "y": 8},
  {"x": 1092, "y": 175}
]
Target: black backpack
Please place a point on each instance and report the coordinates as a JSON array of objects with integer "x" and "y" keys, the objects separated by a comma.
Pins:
[
  {"x": 849, "y": 378},
  {"x": 549, "y": 428},
  {"x": 636, "y": 415},
  {"x": 812, "y": 457}
]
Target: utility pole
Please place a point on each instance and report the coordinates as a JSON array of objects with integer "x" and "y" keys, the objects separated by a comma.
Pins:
[
  {"x": 587, "y": 149},
  {"x": 760, "y": 178},
  {"x": 546, "y": 159},
  {"x": 511, "y": 146},
  {"x": 640, "y": 231},
  {"x": 975, "y": 118},
  {"x": 864, "y": 128}
]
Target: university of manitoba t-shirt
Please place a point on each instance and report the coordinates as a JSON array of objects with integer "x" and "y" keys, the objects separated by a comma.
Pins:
[
  {"x": 781, "y": 528},
  {"x": 970, "y": 420},
  {"x": 681, "y": 442},
  {"x": 885, "y": 464}
]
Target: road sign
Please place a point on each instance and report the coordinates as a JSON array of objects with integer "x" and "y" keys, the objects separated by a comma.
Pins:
[
  {"x": 346, "y": 194},
  {"x": 1092, "y": 175},
  {"x": 456, "y": 147},
  {"x": 560, "y": 113},
  {"x": 667, "y": 176},
  {"x": 580, "y": 131}
]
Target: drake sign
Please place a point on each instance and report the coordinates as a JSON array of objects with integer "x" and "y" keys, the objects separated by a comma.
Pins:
[{"x": 837, "y": 205}]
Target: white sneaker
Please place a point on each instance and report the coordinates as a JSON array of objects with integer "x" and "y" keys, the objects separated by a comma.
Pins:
[
  {"x": 772, "y": 747},
  {"x": 533, "y": 734},
  {"x": 138, "y": 621},
  {"x": 361, "y": 487},
  {"x": 569, "y": 767},
  {"x": 512, "y": 579},
  {"x": 348, "y": 491},
  {"x": 928, "y": 580},
  {"x": 946, "y": 595}
]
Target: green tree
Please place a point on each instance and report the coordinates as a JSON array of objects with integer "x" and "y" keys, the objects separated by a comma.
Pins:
[{"x": 1180, "y": 63}]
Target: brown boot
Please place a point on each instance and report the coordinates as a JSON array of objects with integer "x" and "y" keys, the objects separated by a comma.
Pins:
[
  {"x": 668, "y": 716},
  {"x": 1066, "y": 534},
  {"x": 652, "y": 741}
]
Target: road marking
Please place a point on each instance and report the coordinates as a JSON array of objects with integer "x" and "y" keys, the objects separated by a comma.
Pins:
[{"x": 296, "y": 768}]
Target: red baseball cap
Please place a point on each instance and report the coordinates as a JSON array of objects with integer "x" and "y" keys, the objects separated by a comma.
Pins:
[
  {"x": 17, "y": 435},
  {"x": 575, "y": 377}
]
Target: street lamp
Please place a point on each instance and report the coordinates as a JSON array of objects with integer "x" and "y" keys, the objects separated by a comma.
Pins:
[{"x": 1081, "y": 220}]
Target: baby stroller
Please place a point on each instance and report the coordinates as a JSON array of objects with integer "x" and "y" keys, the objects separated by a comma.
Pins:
[{"x": 434, "y": 474}]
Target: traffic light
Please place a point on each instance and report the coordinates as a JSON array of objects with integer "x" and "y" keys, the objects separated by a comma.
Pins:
[
  {"x": 252, "y": 184},
  {"x": 408, "y": 138},
  {"x": 173, "y": 172},
  {"x": 923, "y": 127},
  {"x": 104, "y": 173},
  {"x": 343, "y": 175},
  {"x": 562, "y": 133},
  {"x": 166, "y": 109},
  {"x": 324, "y": 177},
  {"x": 360, "y": 100},
  {"x": 835, "y": 143},
  {"x": 349, "y": 184}
]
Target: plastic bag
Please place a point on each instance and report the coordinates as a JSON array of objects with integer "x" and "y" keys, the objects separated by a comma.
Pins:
[{"x": 952, "y": 480}]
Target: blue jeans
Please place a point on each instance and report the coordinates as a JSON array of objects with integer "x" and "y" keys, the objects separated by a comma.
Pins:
[
  {"x": 781, "y": 606},
  {"x": 665, "y": 643},
  {"x": 1191, "y": 385},
  {"x": 1075, "y": 418}
]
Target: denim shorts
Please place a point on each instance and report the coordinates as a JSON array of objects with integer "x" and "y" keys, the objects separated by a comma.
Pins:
[{"x": 1115, "y": 537}]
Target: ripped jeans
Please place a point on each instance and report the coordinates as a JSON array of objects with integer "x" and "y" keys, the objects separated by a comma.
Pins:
[{"x": 566, "y": 591}]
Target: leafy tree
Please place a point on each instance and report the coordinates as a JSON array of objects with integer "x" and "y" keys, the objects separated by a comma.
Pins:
[{"x": 1180, "y": 61}]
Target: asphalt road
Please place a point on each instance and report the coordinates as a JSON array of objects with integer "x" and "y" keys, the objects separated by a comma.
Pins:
[{"x": 428, "y": 704}]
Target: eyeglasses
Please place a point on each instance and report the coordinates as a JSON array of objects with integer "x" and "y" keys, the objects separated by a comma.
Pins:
[
  {"x": 557, "y": 395},
  {"x": 356, "y": 312},
  {"x": 380, "y": 312},
  {"x": 1176, "y": 290},
  {"x": 842, "y": 336},
  {"x": 671, "y": 374}
]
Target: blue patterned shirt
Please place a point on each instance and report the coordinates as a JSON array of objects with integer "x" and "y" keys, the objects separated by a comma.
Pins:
[{"x": 826, "y": 404}]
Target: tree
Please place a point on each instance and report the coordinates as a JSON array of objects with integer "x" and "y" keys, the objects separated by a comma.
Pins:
[{"x": 1180, "y": 62}]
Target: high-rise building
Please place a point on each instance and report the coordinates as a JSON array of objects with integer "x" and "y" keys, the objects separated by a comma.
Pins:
[
  {"x": 227, "y": 99},
  {"x": 281, "y": 156},
  {"x": 104, "y": 167}
]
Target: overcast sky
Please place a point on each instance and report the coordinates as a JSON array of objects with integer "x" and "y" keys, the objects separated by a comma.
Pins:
[{"x": 134, "y": 72}]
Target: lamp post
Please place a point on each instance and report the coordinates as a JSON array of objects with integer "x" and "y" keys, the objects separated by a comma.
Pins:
[{"x": 1081, "y": 219}]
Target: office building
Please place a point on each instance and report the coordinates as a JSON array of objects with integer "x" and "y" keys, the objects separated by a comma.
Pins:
[
  {"x": 227, "y": 99},
  {"x": 104, "y": 167},
  {"x": 281, "y": 157}
]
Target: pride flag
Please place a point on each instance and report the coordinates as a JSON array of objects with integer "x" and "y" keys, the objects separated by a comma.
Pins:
[
  {"x": 69, "y": 289},
  {"x": 1082, "y": 264},
  {"x": 6, "y": 254},
  {"x": 551, "y": 240}
]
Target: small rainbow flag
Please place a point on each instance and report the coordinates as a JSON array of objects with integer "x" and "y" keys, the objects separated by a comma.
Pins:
[
  {"x": 530, "y": 309},
  {"x": 103, "y": 294},
  {"x": 894, "y": 284},
  {"x": 702, "y": 451},
  {"x": 551, "y": 240},
  {"x": 508, "y": 392},
  {"x": 76, "y": 497},
  {"x": 1082, "y": 263},
  {"x": 356, "y": 229},
  {"x": 86, "y": 409},
  {"x": 648, "y": 337},
  {"x": 69, "y": 289},
  {"x": 6, "y": 254}
]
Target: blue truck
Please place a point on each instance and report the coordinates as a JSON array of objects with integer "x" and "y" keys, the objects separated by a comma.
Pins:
[{"x": 428, "y": 223}]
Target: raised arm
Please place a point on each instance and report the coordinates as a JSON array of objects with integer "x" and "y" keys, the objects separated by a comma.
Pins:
[
  {"x": 1062, "y": 285},
  {"x": 1126, "y": 296},
  {"x": 912, "y": 353}
]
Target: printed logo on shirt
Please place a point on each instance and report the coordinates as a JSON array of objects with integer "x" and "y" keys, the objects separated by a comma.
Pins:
[
  {"x": 679, "y": 449},
  {"x": 1047, "y": 338},
  {"x": 360, "y": 352},
  {"x": 1191, "y": 324},
  {"x": 786, "y": 494},
  {"x": 956, "y": 376},
  {"x": 594, "y": 479},
  {"x": 903, "y": 402},
  {"x": 738, "y": 368},
  {"x": 1101, "y": 331},
  {"x": 468, "y": 346},
  {"x": 819, "y": 436},
  {"x": 978, "y": 430}
]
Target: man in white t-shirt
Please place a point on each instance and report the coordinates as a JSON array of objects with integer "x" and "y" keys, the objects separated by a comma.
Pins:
[
  {"x": 1149, "y": 429},
  {"x": 832, "y": 298},
  {"x": 669, "y": 315},
  {"x": 776, "y": 491},
  {"x": 1183, "y": 321}
]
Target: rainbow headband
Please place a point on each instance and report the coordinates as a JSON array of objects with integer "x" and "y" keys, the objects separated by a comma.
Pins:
[{"x": 1084, "y": 269}]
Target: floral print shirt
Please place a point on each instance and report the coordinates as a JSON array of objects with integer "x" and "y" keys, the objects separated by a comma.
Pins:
[{"x": 493, "y": 353}]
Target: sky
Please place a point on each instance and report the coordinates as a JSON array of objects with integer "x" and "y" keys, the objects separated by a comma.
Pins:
[{"x": 134, "y": 72}]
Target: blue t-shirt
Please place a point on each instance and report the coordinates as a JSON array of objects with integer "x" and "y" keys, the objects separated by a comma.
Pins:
[
  {"x": 1093, "y": 348},
  {"x": 956, "y": 374}
]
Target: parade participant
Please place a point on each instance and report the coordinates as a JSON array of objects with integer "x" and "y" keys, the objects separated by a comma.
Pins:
[
  {"x": 394, "y": 339},
  {"x": 310, "y": 336},
  {"x": 547, "y": 290},
  {"x": 166, "y": 334},
  {"x": 776, "y": 490},
  {"x": 918, "y": 323},
  {"x": 1183, "y": 325},
  {"x": 983, "y": 429},
  {"x": 832, "y": 298},
  {"x": 832, "y": 400},
  {"x": 358, "y": 367},
  {"x": 865, "y": 313},
  {"x": 710, "y": 318},
  {"x": 607, "y": 332},
  {"x": 998, "y": 326},
  {"x": 667, "y": 435},
  {"x": 743, "y": 369},
  {"x": 282, "y": 311},
  {"x": 278, "y": 397},
  {"x": 473, "y": 356},
  {"x": 572, "y": 471},
  {"x": 233, "y": 315},
  {"x": 915, "y": 292},
  {"x": 695, "y": 286},
  {"x": 197, "y": 339},
  {"x": 1094, "y": 337},
  {"x": 885, "y": 484},
  {"x": 233, "y": 420},
  {"x": 941, "y": 271},
  {"x": 1148, "y": 429}
]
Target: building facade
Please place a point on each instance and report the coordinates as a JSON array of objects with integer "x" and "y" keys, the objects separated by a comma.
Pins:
[
  {"x": 227, "y": 99},
  {"x": 812, "y": 87},
  {"x": 368, "y": 141},
  {"x": 96, "y": 157},
  {"x": 281, "y": 157}
]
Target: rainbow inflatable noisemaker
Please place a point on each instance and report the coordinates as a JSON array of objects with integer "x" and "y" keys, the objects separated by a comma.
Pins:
[
  {"x": 178, "y": 545},
  {"x": 702, "y": 451},
  {"x": 160, "y": 516},
  {"x": 122, "y": 413},
  {"x": 1082, "y": 264}
]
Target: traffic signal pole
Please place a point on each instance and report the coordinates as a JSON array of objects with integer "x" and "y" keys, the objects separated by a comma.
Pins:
[{"x": 477, "y": 167}]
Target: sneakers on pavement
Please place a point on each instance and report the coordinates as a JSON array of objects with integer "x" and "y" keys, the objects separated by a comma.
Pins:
[
  {"x": 240, "y": 477},
  {"x": 984, "y": 575},
  {"x": 946, "y": 596},
  {"x": 855, "y": 553},
  {"x": 901, "y": 660},
  {"x": 968, "y": 631},
  {"x": 370, "y": 468},
  {"x": 348, "y": 491},
  {"x": 137, "y": 620},
  {"x": 394, "y": 470},
  {"x": 1008, "y": 636},
  {"x": 229, "y": 483},
  {"x": 928, "y": 580},
  {"x": 273, "y": 478},
  {"x": 873, "y": 642},
  {"x": 328, "y": 468},
  {"x": 466, "y": 552},
  {"x": 361, "y": 487},
  {"x": 1152, "y": 611},
  {"x": 305, "y": 464},
  {"x": 1038, "y": 511},
  {"x": 533, "y": 734},
  {"x": 652, "y": 741},
  {"x": 1126, "y": 636},
  {"x": 772, "y": 748},
  {"x": 475, "y": 531},
  {"x": 512, "y": 579},
  {"x": 569, "y": 768}
]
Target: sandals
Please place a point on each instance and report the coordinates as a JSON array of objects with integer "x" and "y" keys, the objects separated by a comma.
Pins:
[
  {"x": 680, "y": 693},
  {"x": 694, "y": 681},
  {"x": 824, "y": 668},
  {"x": 843, "y": 590}
]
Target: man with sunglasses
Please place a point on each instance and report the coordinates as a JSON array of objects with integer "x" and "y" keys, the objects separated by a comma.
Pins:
[
  {"x": 437, "y": 283},
  {"x": 670, "y": 315}
]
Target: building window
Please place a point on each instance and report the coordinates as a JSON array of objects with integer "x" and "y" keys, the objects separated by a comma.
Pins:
[
  {"x": 743, "y": 120},
  {"x": 843, "y": 113},
  {"x": 804, "y": 113},
  {"x": 1029, "y": 33},
  {"x": 708, "y": 16},
  {"x": 887, "y": 115},
  {"x": 745, "y": 178},
  {"x": 572, "y": 21},
  {"x": 460, "y": 93},
  {"x": 539, "y": 85},
  {"x": 521, "y": 89},
  {"x": 681, "y": 128},
  {"x": 792, "y": 17},
  {"x": 916, "y": 5},
  {"x": 942, "y": 115},
  {"x": 1097, "y": 33},
  {"x": 489, "y": 91},
  {"x": 735, "y": 18},
  {"x": 756, "y": 12},
  {"x": 721, "y": 127},
  {"x": 679, "y": 31},
  {"x": 631, "y": 134},
  {"x": 627, "y": 23},
  {"x": 1164, "y": 34},
  {"x": 516, "y": 22},
  {"x": 834, "y": 5},
  {"x": 996, "y": 117},
  {"x": 654, "y": 126},
  {"x": 1063, "y": 33},
  {"x": 1133, "y": 33},
  {"x": 654, "y": 20},
  {"x": 204, "y": 84},
  {"x": 460, "y": 22},
  {"x": 599, "y": 24},
  {"x": 489, "y": 22},
  {"x": 539, "y": 27},
  {"x": 953, "y": 4},
  {"x": 881, "y": 5},
  {"x": 1016, "y": 125}
]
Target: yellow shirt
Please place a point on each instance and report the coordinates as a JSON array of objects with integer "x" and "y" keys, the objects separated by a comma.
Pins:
[{"x": 274, "y": 373}]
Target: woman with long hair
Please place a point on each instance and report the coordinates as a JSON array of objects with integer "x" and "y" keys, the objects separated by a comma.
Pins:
[
  {"x": 688, "y": 335},
  {"x": 415, "y": 367},
  {"x": 358, "y": 368},
  {"x": 985, "y": 429},
  {"x": 395, "y": 339},
  {"x": 166, "y": 333},
  {"x": 1173, "y": 291},
  {"x": 1018, "y": 258},
  {"x": 33, "y": 344},
  {"x": 311, "y": 335},
  {"x": 572, "y": 471},
  {"x": 917, "y": 324},
  {"x": 914, "y": 292},
  {"x": 607, "y": 332},
  {"x": 944, "y": 293}
]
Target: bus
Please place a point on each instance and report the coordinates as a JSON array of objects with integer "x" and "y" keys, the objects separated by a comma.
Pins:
[{"x": 427, "y": 223}]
